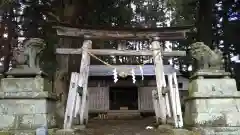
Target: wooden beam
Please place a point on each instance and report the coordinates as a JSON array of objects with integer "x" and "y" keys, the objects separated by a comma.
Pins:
[
  {"x": 172, "y": 99},
  {"x": 156, "y": 105},
  {"x": 178, "y": 102},
  {"x": 168, "y": 109},
  {"x": 164, "y": 34},
  {"x": 69, "y": 112},
  {"x": 65, "y": 51}
]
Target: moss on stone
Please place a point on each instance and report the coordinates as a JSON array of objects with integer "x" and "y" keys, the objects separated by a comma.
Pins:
[{"x": 5, "y": 133}]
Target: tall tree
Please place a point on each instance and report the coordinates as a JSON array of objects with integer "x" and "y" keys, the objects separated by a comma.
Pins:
[
  {"x": 204, "y": 22},
  {"x": 8, "y": 31}
]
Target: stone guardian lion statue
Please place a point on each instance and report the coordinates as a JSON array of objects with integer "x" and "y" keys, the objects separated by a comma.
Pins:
[
  {"x": 29, "y": 54},
  {"x": 33, "y": 48},
  {"x": 206, "y": 58}
]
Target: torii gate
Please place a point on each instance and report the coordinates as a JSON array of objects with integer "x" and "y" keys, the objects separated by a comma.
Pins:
[{"x": 78, "y": 104}]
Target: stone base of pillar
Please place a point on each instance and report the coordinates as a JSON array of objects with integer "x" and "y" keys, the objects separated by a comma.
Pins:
[
  {"x": 26, "y": 104},
  {"x": 65, "y": 132},
  {"x": 79, "y": 127},
  {"x": 213, "y": 106}
]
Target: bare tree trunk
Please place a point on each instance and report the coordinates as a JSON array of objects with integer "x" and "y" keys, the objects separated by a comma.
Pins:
[
  {"x": 8, "y": 45},
  {"x": 226, "y": 51}
]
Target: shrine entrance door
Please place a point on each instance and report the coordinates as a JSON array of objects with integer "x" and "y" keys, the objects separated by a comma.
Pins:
[{"x": 123, "y": 98}]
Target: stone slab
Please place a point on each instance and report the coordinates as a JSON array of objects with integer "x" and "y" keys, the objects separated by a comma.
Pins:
[
  {"x": 221, "y": 87},
  {"x": 25, "y": 84},
  {"x": 25, "y": 122},
  {"x": 217, "y": 130},
  {"x": 214, "y": 94},
  {"x": 184, "y": 132},
  {"x": 69, "y": 132},
  {"x": 65, "y": 132},
  {"x": 79, "y": 127},
  {"x": 24, "y": 70},
  {"x": 28, "y": 95},
  {"x": 211, "y": 105},
  {"x": 26, "y": 106},
  {"x": 210, "y": 73},
  {"x": 224, "y": 119}
]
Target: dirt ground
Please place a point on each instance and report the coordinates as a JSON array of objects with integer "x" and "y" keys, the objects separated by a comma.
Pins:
[{"x": 123, "y": 127}]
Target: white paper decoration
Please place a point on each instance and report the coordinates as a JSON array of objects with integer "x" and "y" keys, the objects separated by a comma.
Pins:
[
  {"x": 115, "y": 75},
  {"x": 133, "y": 76},
  {"x": 141, "y": 70}
]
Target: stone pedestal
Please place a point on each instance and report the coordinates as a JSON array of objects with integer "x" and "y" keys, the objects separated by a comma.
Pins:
[
  {"x": 1, "y": 76},
  {"x": 26, "y": 104},
  {"x": 213, "y": 105}
]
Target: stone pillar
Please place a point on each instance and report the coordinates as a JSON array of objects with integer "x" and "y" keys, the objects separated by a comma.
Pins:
[{"x": 213, "y": 104}]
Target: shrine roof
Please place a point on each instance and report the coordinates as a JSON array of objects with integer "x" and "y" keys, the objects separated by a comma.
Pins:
[{"x": 148, "y": 70}]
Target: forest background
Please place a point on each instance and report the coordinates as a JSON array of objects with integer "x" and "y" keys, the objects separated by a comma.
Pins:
[{"x": 214, "y": 22}]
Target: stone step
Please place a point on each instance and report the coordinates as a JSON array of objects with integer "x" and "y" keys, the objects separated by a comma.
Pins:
[
  {"x": 123, "y": 114},
  {"x": 119, "y": 114}
]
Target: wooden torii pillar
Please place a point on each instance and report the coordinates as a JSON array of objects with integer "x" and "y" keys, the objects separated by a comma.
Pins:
[
  {"x": 78, "y": 91},
  {"x": 83, "y": 81},
  {"x": 160, "y": 80}
]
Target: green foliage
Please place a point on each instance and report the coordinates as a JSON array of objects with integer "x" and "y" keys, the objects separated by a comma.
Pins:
[
  {"x": 5, "y": 2},
  {"x": 37, "y": 15},
  {"x": 35, "y": 24}
]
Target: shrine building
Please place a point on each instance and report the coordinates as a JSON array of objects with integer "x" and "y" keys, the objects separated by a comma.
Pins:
[{"x": 124, "y": 96}]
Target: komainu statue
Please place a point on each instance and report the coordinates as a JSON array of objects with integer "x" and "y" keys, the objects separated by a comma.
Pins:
[
  {"x": 29, "y": 54},
  {"x": 33, "y": 47},
  {"x": 28, "y": 58},
  {"x": 205, "y": 58}
]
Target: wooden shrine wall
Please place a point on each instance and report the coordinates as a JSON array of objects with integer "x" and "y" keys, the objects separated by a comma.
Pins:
[{"x": 99, "y": 93}]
